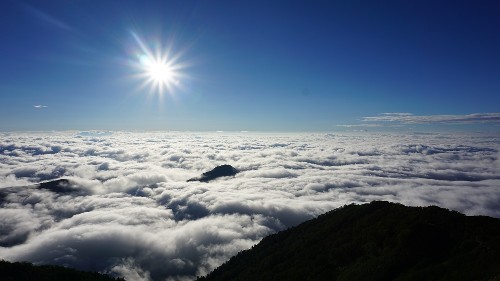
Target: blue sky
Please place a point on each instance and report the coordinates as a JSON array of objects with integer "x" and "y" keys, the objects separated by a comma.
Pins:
[{"x": 251, "y": 65}]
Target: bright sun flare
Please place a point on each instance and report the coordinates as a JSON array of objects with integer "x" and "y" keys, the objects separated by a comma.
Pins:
[{"x": 159, "y": 69}]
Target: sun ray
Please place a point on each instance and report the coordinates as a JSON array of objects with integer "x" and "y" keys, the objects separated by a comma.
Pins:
[{"x": 159, "y": 68}]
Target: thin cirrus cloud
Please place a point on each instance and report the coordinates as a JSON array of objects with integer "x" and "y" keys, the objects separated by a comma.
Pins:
[
  {"x": 372, "y": 125},
  {"x": 130, "y": 211},
  {"x": 408, "y": 118},
  {"x": 45, "y": 17}
]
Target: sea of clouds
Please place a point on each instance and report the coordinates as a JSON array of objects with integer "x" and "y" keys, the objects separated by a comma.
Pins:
[{"x": 133, "y": 214}]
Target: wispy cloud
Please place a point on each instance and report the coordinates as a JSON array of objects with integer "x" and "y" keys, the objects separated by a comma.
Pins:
[
  {"x": 370, "y": 125},
  {"x": 43, "y": 16},
  {"x": 40, "y": 106},
  {"x": 408, "y": 118}
]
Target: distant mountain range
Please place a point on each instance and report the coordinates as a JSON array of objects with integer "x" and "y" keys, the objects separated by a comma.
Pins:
[{"x": 376, "y": 241}]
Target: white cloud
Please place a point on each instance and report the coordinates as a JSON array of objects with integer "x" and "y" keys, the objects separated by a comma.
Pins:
[
  {"x": 372, "y": 125},
  {"x": 135, "y": 215},
  {"x": 408, "y": 118},
  {"x": 40, "y": 106}
]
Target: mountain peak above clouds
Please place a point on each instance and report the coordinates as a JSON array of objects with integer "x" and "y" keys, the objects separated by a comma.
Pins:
[
  {"x": 61, "y": 186},
  {"x": 217, "y": 172}
]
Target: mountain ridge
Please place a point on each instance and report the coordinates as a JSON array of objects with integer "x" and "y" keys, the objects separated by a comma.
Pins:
[
  {"x": 217, "y": 172},
  {"x": 24, "y": 271},
  {"x": 375, "y": 241}
]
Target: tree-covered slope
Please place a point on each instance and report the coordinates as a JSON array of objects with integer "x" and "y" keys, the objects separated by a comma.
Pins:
[
  {"x": 376, "y": 241},
  {"x": 23, "y": 271}
]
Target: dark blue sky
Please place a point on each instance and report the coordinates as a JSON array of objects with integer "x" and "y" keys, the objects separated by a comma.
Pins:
[{"x": 251, "y": 65}]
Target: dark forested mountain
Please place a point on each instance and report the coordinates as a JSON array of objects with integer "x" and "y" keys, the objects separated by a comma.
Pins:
[
  {"x": 376, "y": 241},
  {"x": 217, "y": 172},
  {"x": 23, "y": 271}
]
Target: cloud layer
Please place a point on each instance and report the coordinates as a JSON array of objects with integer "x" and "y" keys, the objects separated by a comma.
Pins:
[{"x": 133, "y": 213}]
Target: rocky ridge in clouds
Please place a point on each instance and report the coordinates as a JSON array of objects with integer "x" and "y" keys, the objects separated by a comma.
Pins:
[
  {"x": 217, "y": 172},
  {"x": 136, "y": 216}
]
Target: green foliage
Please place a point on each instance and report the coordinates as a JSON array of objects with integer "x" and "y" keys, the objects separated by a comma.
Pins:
[
  {"x": 23, "y": 271},
  {"x": 376, "y": 241}
]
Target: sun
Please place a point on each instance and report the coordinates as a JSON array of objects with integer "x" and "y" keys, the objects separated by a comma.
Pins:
[
  {"x": 158, "y": 72},
  {"x": 158, "y": 68}
]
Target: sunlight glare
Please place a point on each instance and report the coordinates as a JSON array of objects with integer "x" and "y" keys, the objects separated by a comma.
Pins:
[{"x": 159, "y": 70}]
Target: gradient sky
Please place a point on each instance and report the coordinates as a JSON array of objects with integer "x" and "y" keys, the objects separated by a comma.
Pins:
[{"x": 251, "y": 65}]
